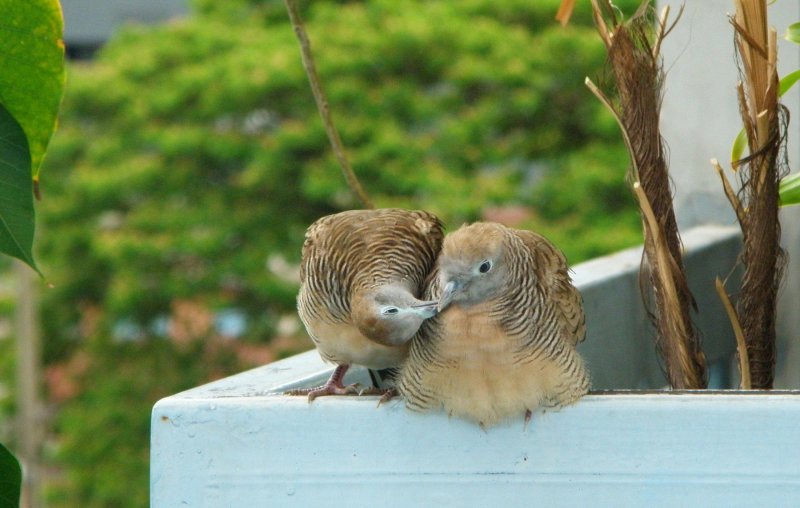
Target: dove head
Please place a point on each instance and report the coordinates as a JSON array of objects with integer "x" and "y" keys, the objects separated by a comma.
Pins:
[
  {"x": 390, "y": 314},
  {"x": 473, "y": 264}
]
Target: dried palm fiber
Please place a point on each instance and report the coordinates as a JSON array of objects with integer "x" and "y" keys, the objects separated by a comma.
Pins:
[
  {"x": 756, "y": 204},
  {"x": 635, "y": 63}
]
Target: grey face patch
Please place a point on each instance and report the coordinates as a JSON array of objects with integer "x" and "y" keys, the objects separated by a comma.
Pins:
[{"x": 391, "y": 315}]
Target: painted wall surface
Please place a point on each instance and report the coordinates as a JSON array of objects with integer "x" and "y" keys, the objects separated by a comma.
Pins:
[
  {"x": 700, "y": 119},
  {"x": 92, "y": 22},
  {"x": 618, "y": 348}
]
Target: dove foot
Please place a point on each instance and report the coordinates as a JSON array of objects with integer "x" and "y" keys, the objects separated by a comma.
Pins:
[
  {"x": 387, "y": 395},
  {"x": 528, "y": 415},
  {"x": 326, "y": 389},
  {"x": 333, "y": 386}
]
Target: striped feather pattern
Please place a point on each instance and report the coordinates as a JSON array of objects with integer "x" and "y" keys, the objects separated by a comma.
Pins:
[
  {"x": 508, "y": 351},
  {"x": 358, "y": 250}
]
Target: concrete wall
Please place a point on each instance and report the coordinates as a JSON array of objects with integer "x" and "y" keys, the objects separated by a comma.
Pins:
[
  {"x": 619, "y": 349},
  {"x": 236, "y": 449},
  {"x": 92, "y": 22},
  {"x": 700, "y": 119}
]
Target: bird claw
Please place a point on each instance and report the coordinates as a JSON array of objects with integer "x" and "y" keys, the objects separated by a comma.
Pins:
[
  {"x": 528, "y": 415},
  {"x": 388, "y": 394},
  {"x": 354, "y": 389},
  {"x": 373, "y": 390},
  {"x": 325, "y": 390}
]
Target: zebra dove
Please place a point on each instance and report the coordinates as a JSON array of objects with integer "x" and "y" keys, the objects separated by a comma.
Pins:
[
  {"x": 361, "y": 274},
  {"x": 504, "y": 341}
]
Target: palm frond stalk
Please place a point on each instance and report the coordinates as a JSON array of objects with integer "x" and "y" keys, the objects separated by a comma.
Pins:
[{"x": 635, "y": 63}]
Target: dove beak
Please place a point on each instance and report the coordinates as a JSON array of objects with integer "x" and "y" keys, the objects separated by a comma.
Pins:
[
  {"x": 447, "y": 295},
  {"x": 426, "y": 309}
]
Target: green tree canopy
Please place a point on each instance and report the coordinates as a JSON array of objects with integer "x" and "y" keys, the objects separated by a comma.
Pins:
[
  {"x": 190, "y": 153},
  {"x": 190, "y": 159}
]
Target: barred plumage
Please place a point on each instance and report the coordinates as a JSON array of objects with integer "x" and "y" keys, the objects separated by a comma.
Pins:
[
  {"x": 504, "y": 342},
  {"x": 361, "y": 274}
]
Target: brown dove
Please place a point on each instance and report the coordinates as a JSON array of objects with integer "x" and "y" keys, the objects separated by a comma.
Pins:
[
  {"x": 361, "y": 274},
  {"x": 504, "y": 341}
]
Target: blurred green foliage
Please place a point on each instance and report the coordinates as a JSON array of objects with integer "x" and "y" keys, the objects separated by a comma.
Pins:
[
  {"x": 103, "y": 431},
  {"x": 191, "y": 155}
]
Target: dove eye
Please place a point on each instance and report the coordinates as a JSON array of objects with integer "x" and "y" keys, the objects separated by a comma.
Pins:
[
  {"x": 391, "y": 310},
  {"x": 485, "y": 266}
]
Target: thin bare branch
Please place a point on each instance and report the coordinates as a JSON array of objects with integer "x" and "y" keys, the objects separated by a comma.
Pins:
[
  {"x": 664, "y": 30},
  {"x": 322, "y": 103},
  {"x": 661, "y": 30},
  {"x": 607, "y": 103},
  {"x": 674, "y": 21},
  {"x": 602, "y": 28}
]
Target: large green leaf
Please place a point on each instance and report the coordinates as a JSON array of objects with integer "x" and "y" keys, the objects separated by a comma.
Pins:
[
  {"x": 32, "y": 69},
  {"x": 16, "y": 191},
  {"x": 10, "y": 479}
]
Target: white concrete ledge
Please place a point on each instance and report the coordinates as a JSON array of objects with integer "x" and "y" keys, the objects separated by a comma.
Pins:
[
  {"x": 238, "y": 442},
  {"x": 608, "y": 450}
]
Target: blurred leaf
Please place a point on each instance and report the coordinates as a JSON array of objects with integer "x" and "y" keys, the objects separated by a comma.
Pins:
[
  {"x": 793, "y": 33},
  {"x": 788, "y": 82},
  {"x": 789, "y": 190},
  {"x": 737, "y": 150},
  {"x": 16, "y": 191},
  {"x": 740, "y": 143},
  {"x": 10, "y": 479},
  {"x": 32, "y": 63}
]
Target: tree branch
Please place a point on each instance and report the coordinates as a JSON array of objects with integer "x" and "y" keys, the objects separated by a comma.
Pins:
[{"x": 322, "y": 103}]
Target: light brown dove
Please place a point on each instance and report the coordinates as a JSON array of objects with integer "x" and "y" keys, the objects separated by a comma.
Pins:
[
  {"x": 361, "y": 274},
  {"x": 504, "y": 341}
]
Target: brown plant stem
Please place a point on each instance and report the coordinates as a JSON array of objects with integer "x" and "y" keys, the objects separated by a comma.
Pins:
[
  {"x": 757, "y": 202},
  {"x": 322, "y": 103},
  {"x": 741, "y": 346},
  {"x": 636, "y": 67}
]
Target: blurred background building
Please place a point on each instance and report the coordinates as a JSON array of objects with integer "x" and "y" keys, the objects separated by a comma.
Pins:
[{"x": 89, "y": 23}]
